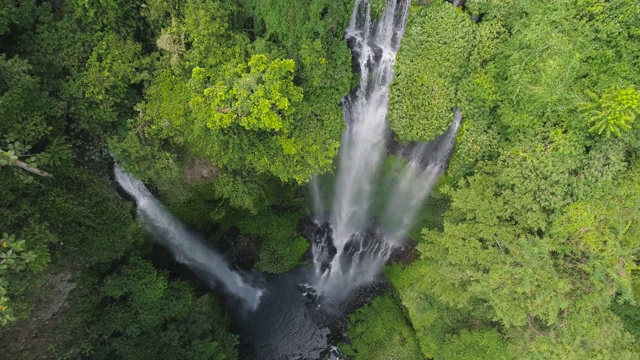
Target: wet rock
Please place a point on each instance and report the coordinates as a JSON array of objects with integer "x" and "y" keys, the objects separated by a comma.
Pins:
[
  {"x": 405, "y": 254},
  {"x": 241, "y": 250},
  {"x": 199, "y": 171},
  {"x": 377, "y": 53},
  {"x": 458, "y": 3},
  {"x": 47, "y": 325},
  {"x": 355, "y": 55}
]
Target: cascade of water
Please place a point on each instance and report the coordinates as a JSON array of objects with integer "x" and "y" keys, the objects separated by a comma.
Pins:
[
  {"x": 375, "y": 45},
  {"x": 186, "y": 247},
  {"x": 417, "y": 177},
  {"x": 363, "y": 141},
  {"x": 347, "y": 253},
  {"x": 347, "y": 250},
  {"x": 318, "y": 206}
]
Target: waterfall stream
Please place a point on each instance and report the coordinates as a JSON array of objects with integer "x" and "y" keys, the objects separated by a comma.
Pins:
[
  {"x": 187, "y": 248},
  {"x": 426, "y": 162},
  {"x": 364, "y": 140},
  {"x": 351, "y": 253},
  {"x": 290, "y": 314}
]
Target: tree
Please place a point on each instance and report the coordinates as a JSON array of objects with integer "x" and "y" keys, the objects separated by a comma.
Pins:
[
  {"x": 431, "y": 63},
  {"x": 258, "y": 105},
  {"x": 379, "y": 331},
  {"x": 539, "y": 237},
  {"x": 14, "y": 259},
  {"x": 614, "y": 112},
  {"x": 149, "y": 316}
]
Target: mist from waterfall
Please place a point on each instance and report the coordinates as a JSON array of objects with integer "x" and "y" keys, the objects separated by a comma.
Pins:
[
  {"x": 364, "y": 140},
  {"x": 348, "y": 252},
  {"x": 291, "y": 313},
  {"x": 316, "y": 198},
  {"x": 187, "y": 247},
  {"x": 426, "y": 162}
]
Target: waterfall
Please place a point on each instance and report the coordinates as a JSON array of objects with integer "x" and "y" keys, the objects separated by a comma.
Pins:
[
  {"x": 375, "y": 45},
  {"x": 187, "y": 248},
  {"x": 349, "y": 248},
  {"x": 426, "y": 163},
  {"x": 349, "y": 253},
  {"x": 364, "y": 140},
  {"x": 316, "y": 198}
]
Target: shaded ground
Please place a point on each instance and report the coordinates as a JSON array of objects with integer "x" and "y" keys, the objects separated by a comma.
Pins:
[
  {"x": 46, "y": 327},
  {"x": 200, "y": 171}
]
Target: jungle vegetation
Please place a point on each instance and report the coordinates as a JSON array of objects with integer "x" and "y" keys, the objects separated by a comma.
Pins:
[{"x": 225, "y": 108}]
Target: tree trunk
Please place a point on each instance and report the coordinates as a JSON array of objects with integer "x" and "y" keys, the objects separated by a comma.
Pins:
[{"x": 30, "y": 169}]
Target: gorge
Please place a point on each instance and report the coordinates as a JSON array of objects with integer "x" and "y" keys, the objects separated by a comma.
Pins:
[
  {"x": 351, "y": 249},
  {"x": 294, "y": 179}
]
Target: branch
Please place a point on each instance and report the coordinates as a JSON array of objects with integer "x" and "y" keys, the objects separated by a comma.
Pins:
[
  {"x": 30, "y": 169},
  {"x": 532, "y": 327}
]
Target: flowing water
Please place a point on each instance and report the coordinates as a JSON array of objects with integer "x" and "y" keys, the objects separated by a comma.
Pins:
[
  {"x": 187, "y": 248},
  {"x": 316, "y": 199},
  {"x": 426, "y": 162},
  {"x": 352, "y": 250},
  {"x": 364, "y": 140},
  {"x": 289, "y": 323},
  {"x": 290, "y": 312},
  {"x": 374, "y": 45}
]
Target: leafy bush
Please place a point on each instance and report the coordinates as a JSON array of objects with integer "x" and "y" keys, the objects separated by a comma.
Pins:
[
  {"x": 14, "y": 258},
  {"x": 381, "y": 331},
  {"x": 281, "y": 249},
  {"x": 138, "y": 313},
  {"x": 430, "y": 64},
  {"x": 474, "y": 345}
]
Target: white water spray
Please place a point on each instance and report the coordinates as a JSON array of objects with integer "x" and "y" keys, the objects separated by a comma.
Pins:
[
  {"x": 364, "y": 140},
  {"x": 417, "y": 177},
  {"x": 357, "y": 257},
  {"x": 349, "y": 253},
  {"x": 318, "y": 206},
  {"x": 186, "y": 247}
]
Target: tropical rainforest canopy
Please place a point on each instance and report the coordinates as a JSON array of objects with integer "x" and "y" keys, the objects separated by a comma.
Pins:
[{"x": 526, "y": 249}]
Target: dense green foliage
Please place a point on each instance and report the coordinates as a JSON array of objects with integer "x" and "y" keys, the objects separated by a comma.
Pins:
[
  {"x": 213, "y": 102},
  {"x": 143, "y": 315},
  {"x": 236, "y": 86},
  {"x": 541, "y": 233},
  {"x": 281, "y": 248},
  {"x": 527, "y": 248},
  {"x": 380, "y": 331},
  {"x": 429, "y": 68},
  {"x": 219, "y": 91}
]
